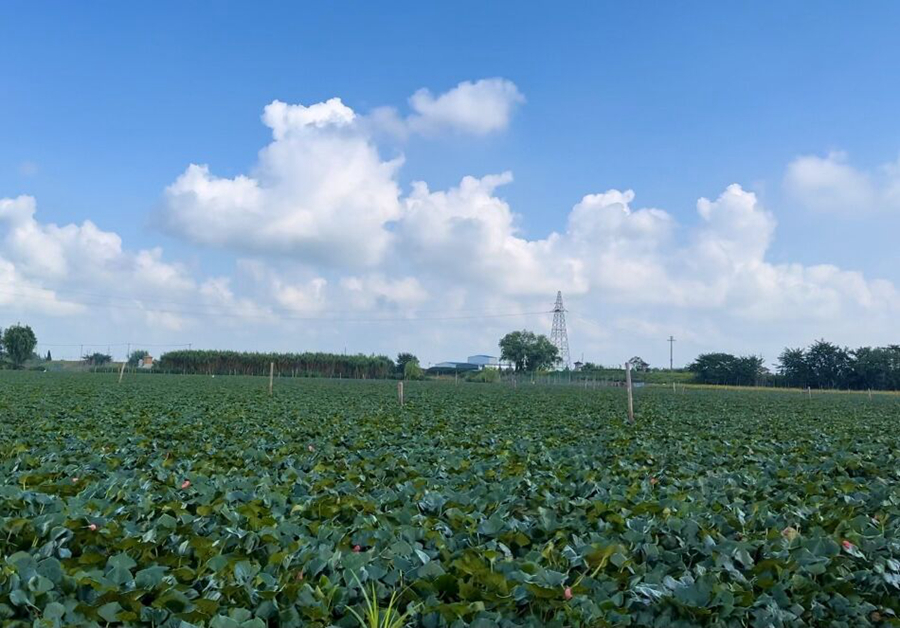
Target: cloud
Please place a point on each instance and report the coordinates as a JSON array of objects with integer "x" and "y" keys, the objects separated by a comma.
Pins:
[
  {"x": 377, "y": 291},
  {"x": 18, "y": 293},
  {"x": 320, "y": 193},
  {"x": 736, "y": 229},
  {"x": 284, "y": 119},
  {"x": 831, "y": 185},
  {"x": 320, "y": 229},
  {"x": 478, "y": 108},
  {"x": 463, "y": 246},
  {"x": 619, "y": 250},
  {"x": 469, "y": 234},
  {"x": 41, "y": 260}
]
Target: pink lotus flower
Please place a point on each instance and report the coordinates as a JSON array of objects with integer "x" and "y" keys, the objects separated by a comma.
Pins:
[
  {"x": 357, "y": 549},
  {"x": 653, "y": 481},
  {"x": 186, "y": 484},
  {"x": 847, "y": 545},
  {"x": 92, "y": 527},
  {"x": 568, "y": 593}
]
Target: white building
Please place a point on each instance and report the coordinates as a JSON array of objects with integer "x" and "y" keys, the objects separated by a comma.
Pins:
[{"x": 484, "y": 361}]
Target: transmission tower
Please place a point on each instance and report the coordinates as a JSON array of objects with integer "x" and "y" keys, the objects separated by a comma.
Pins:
[{"x": 558, "y": 335}]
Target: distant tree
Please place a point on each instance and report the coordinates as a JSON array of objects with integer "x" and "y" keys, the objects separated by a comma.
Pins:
[
  {"x": 49, "y": 357},
  {"x": 403, "y": 359},
  {"x": 793, "y": 367},
  {"x": 134, "y": 359},
  {"x": 543, "y": 354},
  {"x": 638, "y": 364},
  {"x": 829, "y": 365},
  {"x": 724, "y": 368},
  {"x": 412, "y": 370},
  {"x": 19, "y": 342},
  {"x": 749, "y": 370},
  {"x": 514, "y": 348},
  {"x": 97, "y": 359},
  {"x": 893, "y": 377},
  {"x": 528, "y": 352},
  {"x": 712, "y": 368}
]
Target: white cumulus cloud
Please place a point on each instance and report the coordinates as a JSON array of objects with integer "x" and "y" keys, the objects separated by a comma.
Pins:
[
  {"x": 320, "y": 193},
  {"x": 321, "y": 230},
  {"x": 832, "y": 185},
  {"x": 479, "y": 108}
]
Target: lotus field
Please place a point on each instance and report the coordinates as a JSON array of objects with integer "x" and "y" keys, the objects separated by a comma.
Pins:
[{"x": 196, "y": 501}]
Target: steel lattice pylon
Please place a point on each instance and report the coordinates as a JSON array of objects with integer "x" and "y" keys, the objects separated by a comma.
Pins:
[{"x": 558, "y": 335}]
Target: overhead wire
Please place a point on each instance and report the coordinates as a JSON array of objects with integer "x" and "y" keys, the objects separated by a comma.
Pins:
[{"x": 284, "y": 315}]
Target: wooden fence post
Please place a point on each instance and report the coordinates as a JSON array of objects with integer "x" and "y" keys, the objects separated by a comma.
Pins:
[
  {"x": 122, "y": 372},
  {"x": 400, "y": 392},
  {"x": 630, "y": 394},
  {"x": 271, "y": 376}
]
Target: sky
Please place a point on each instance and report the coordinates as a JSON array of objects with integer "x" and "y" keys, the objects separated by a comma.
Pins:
[{"x": 339, "y": 177}]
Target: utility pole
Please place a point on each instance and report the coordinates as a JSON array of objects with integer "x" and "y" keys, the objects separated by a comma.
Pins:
[{"x": 671, "y": 353}]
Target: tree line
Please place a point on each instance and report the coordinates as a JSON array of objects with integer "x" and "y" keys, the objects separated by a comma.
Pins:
[
  {"x": 821, "y": 365},
  {"x": 827, "y": 365},
  {"x": 295, "y": 364}
]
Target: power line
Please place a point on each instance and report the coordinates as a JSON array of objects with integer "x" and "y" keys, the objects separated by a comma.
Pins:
[
  {"x": 275, "y": 314},
  {"x": 193, "y": 304}
]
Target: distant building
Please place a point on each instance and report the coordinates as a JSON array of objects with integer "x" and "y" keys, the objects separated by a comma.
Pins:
[
  {"x": 484, "y": 361},
  {"x": 578, "y": 365},
  {"x": 449, "y": 368},
  {"x": 146, "y": 362}
]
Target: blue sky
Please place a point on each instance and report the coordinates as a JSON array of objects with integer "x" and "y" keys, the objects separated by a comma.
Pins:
[{"x": 105, "y": 105}]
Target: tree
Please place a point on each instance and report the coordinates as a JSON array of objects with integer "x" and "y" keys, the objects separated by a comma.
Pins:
[
  {"x": 134, "y": 359},
  {"x": 724, "y": 368},
  {"x": 829, "y": 365},
  {"x": 528, "y": 352},
  {"x": 96, "y": 359},
  {"x": 49, "y": 357},
  {"x": 412, "y": 370},
  {"x": 638, "y": 364},
  {"x": 793, "y": 367},
  {"x": 748, "y": 370},
  {"x": 403, "y": 359},
  {"x": 19, "y": 342}
]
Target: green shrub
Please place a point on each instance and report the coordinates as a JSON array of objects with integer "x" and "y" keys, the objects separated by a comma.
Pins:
[{"x": 484, "y": 376}]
